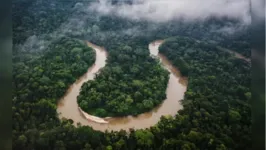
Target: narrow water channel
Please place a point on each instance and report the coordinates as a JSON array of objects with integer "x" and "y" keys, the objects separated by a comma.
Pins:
[{"x": 68, "y": 107}]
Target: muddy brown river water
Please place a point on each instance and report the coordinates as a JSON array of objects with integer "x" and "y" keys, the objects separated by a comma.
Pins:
[{"x": 68, "y": 107}]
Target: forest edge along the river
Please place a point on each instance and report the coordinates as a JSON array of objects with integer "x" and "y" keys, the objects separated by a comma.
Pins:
[{"x": 68, "y": 107}]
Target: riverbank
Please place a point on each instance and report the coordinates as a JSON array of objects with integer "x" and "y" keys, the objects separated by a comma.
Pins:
[{"x": 175, "y": 91}]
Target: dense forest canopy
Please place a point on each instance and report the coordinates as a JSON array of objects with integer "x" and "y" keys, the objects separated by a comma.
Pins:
[
  {"x": 49, "y": 55},
  {"x": 40, "y": 82},
  {"x": 219, "y": 86},
  {"x": 131, "y": 83}
]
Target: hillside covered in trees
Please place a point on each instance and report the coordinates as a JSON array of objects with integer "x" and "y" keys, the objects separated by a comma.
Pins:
[{"x": 49, "y": 55}]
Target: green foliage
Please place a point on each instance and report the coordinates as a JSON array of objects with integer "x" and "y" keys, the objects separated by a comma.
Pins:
[
  {"x": 22, "y": 140},
  {"x": 144, "y": 138},
  {"x": 100, "y": 112},
  {"x": 50, "y": 75},
  {"x": 131, "y": 83},
  {"x": 38, "y": 84},
  {"x": 218, "y": 94},
  {"x": 36, "y": 17},
  {"x": 216, "y": 113},
  {"x": 109, "y": 148},
  {"x": 240, "y": 44},
  {"x": 234, "y": 116}
]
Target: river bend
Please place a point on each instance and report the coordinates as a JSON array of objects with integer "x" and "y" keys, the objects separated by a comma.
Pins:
[{"x": 68, "y": 106}]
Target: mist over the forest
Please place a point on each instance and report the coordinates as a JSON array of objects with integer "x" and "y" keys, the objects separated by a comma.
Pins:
[
  {"x": 188, "y": 10},
  {"x": 158, "y": 13},
  {"x": 258, "y": 9}
]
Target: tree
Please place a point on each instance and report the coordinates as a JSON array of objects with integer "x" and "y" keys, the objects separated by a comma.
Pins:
[
  {"x": 248, "y": 95},
  {"x": 109, "y": 147},
  {"x": 100, "y": 112},
  {"x": 234, "y": 116},
  {"x": 60, "y": 145},
  {"x": 22, "y": 140},
  {"x": 119, "y": 144},
  {"x": 87, "y": 146},
  {"x": 144, "y": 138},
  {"x": 194, "y": 136}
]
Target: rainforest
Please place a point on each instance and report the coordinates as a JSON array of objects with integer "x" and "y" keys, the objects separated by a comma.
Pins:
[{"x": 135, "y": 74}]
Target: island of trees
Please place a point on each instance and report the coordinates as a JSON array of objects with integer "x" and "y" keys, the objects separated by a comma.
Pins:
[{"x": 132, "y": 82}]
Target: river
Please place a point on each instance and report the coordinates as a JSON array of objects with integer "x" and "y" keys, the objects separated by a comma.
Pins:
[{"x": 68, "y": 107}]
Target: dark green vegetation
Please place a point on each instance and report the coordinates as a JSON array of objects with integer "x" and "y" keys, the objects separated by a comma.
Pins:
[
  {"x": 132, "y": 82},
  {"x": 240, "y": 44},
  {"x": 38, "y": 17},
  {"x": 218, "y": 95},
  {"x": 240, "y": 41},
  {"x": 39, "y": 82},
  {"x": 48, "y": 76},
  {"x": 216, "y": 112}
]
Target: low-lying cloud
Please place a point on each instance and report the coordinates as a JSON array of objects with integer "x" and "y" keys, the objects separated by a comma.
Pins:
[
  {"x": 84, "y": 22},
  {"x": 188, "y": 10}
]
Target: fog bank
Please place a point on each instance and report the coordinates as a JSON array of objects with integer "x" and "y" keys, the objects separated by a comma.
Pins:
[
  {"x": 84, "y": 22},
  {"x": 189, "y": 10}
]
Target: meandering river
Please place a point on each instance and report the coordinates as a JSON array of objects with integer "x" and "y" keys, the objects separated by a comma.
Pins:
[{"x": 68, "y": 107}]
